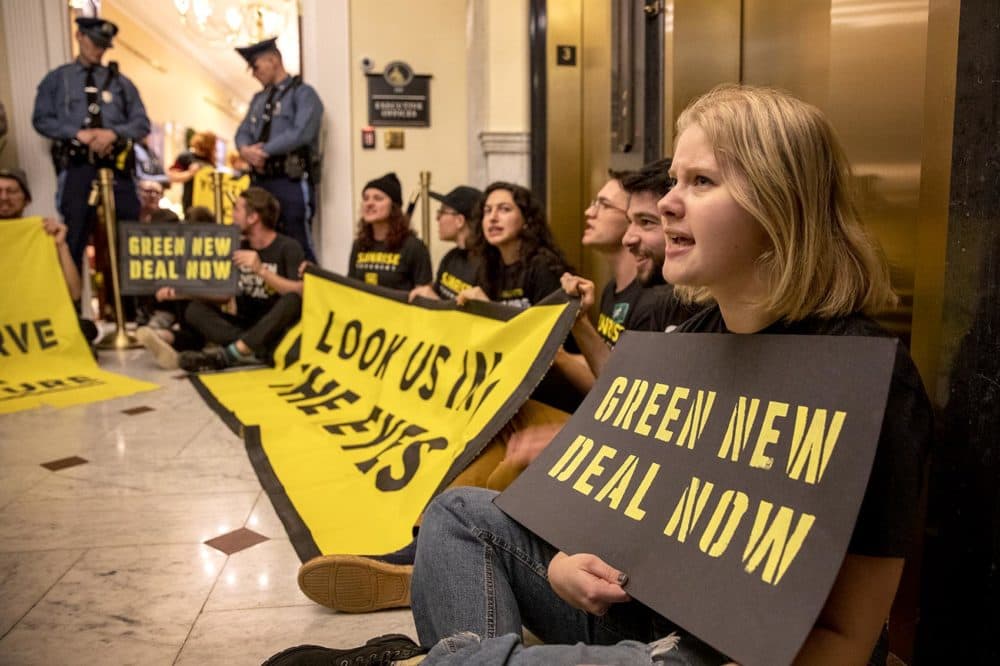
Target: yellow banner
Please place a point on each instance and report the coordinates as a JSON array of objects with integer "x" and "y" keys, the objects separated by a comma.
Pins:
[
  {"x": 203, "y": 191},
  {"x": 379, "y": 403},
  {"x": 44, "y": 359}
]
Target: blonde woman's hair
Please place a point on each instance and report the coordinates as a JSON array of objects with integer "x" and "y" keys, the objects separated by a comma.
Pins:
[{"x": 783, "y": 164}]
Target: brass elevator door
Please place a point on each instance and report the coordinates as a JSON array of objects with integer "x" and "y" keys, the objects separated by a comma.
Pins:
[{"x": 862, "y": 62}]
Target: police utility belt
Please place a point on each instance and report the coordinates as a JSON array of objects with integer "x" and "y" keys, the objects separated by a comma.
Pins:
[
  {"x": 66, "y": 154},
  {"x": 293, "y": 166}
]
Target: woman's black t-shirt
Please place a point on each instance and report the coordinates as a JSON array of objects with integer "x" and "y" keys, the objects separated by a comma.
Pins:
[
  {"x": 659, "y": 309},
  {"x": 524, "y": 283},
  {"x": 887, "y": 518},
  {"x": 403, "y": 269},
  {"x": 456, "y": 272}
]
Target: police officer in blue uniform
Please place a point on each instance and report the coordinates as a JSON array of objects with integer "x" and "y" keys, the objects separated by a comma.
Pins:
[
  {"x": 93, "y": 115},
  {"x": 279, "y": 138}
]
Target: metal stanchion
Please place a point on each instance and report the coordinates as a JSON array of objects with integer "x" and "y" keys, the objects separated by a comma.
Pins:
[
  {"x": 217, "y": 179},
  {"x": 103, "y": 193},
  {"x": 425, "y": 207}
]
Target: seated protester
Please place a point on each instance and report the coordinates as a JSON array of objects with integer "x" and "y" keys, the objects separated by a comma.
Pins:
[
  {"x": 761, "y": 222},
  {"x": 14, "y": 198},
  {"x": 458, "y": 269},
  {"x": 386, "y": 252},
  {"x": 165, "y": 333},
  {"x": 605, "y": 222},
  {"x": 144, "y": 308},
  {"x": 652, "y": 306},
  {"x": 269, "y": 299},
  {"x": 520, "y": 263},
  {"x": 150, "y": 192}
]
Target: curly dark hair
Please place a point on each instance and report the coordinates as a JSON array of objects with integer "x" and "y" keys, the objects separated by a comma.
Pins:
[
  {"x": 536, "y": 239},
  {"x": 399, "y": 231}
]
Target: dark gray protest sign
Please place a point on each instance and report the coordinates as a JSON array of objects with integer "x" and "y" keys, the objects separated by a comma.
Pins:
[
  {"x": 195, "y": 259},
  {"x": 724, "y": 473}
]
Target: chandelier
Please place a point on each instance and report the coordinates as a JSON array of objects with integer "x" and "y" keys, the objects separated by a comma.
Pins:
[{"x": 228, "y": 23}]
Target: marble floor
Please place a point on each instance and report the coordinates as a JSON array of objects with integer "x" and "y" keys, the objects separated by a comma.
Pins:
[{"x": 106, "y": 562}]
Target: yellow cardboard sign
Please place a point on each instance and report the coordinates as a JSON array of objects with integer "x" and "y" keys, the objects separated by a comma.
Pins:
[
  {"x": 379, "y": 403},
  {"x": 203, "y": 191},
  {"x": 44, "y": 358}
]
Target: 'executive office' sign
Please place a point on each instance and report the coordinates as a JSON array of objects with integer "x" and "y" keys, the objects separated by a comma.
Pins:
[{"x": 398, "y": 97}]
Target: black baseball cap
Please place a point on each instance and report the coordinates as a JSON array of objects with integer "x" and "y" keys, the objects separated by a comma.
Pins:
[
  {"x": 464, "y": 199},
  {"x": 100, "y": 31}
]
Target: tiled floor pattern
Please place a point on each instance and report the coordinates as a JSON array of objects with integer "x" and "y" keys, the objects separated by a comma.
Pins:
[{"x": 103, "y": 560}]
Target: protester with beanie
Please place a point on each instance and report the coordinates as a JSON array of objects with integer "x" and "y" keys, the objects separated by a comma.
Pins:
[{"x": 386, "y": 252}]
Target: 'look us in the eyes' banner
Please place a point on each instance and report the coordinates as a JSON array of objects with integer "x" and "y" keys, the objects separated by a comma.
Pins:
[
  {"x": 376, "y": 404},
  {"x": 723, "y": 473}
]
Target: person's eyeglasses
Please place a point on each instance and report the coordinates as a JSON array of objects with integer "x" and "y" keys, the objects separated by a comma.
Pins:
[
  {"x": 154, "y": 192},
  {"x": 446, "y": 211},
  {"x": 598, "y": 204}
]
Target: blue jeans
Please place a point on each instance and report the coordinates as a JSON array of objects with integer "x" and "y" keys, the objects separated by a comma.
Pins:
[{"x": 479, "y": 577}]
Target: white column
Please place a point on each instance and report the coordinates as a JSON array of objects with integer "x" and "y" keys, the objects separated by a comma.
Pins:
[
  {"x": 37, "y": 36},
  {"x": 499, "y": 92},
  {"x": 507, "y": 156},
  {"x": 326, "y": 48}
]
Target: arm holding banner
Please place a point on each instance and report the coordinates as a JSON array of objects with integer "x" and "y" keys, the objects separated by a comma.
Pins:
[
  {"x": 58, "y": 232},
  {"x": 472, "y": 294},
  {"x": 424, "y": 291},
  {"x": 575, "y": 369},
  {"x": 594, "y": 350}
]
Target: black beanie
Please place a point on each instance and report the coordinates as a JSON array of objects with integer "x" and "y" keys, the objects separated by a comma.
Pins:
[{"x": 388, "y": 184}]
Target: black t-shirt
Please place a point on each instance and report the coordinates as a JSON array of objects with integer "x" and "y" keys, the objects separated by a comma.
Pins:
[
  {"x": 402, "y": 269},
  {"x": 617, "y": 310},
  {"x": 283, "y": 257},
  {"x": 523, "y": 284},
  {"x": 456, "y": 272},
  {"x": 887, "y": 519},
  {"x": 659, "y": 309}
]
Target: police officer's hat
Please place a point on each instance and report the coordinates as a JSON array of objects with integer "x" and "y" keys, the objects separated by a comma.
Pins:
[
  {"x": 100, "y": 31},
  {"x": 251, "y": 52}
]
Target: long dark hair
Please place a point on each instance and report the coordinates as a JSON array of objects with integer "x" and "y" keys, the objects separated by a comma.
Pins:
[
  {"x": 399, "y": 230},
  {"x": 536, "y": 239}
]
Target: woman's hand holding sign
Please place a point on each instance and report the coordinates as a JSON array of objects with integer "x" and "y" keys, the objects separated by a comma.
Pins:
[{"x": 587, "y": 582}]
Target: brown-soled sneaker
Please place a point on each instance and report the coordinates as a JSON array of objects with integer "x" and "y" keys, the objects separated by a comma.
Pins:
[
  {"x": 165, "y": 355},
  {"x": 353, "y": 584},
  {"x": 384, "y": 650}
]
